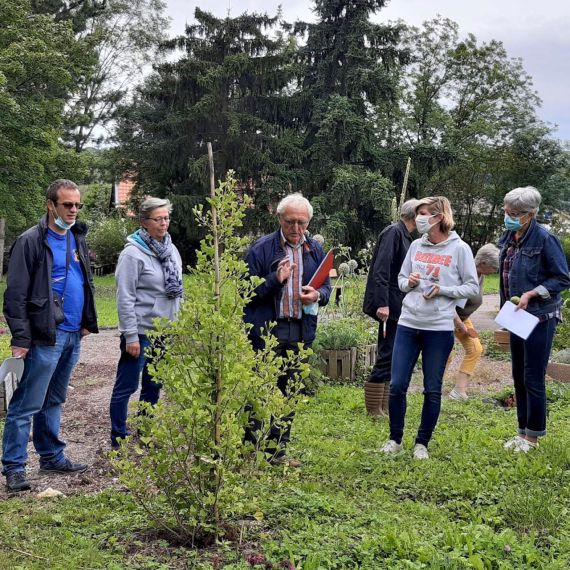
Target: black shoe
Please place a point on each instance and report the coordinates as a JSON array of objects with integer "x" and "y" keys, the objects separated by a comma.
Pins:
[
  {"x": 16, "y": 481},
  {"x": 66, "y": 466}
]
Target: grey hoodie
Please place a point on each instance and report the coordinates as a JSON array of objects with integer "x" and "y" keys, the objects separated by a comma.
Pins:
[
  {"x": 450, "y": 264},
  {"x": 140, "y": 291}
]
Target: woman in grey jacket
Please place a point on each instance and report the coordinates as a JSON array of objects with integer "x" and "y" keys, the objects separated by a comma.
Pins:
[
  {"x": 437, "y": 273},
  {"x": 149, "y": 286}
]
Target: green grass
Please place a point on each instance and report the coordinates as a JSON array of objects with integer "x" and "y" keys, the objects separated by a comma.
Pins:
[
  {"x": 491, "y": 284},
  {"x": 472, "y": 505},
  {"x": 104, "y": 300}
]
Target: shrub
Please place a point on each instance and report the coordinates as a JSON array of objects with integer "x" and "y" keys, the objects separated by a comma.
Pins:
[
  {"x": 107, "y": 238},
  {"x": 191, "y": 465},
  {"x": 345, "y": 333}
]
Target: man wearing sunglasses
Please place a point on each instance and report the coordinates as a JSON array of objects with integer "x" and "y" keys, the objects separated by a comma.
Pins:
[{"x": 48, "y": 305}]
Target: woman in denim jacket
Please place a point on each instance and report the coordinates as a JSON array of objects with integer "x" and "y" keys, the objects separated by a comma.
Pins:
[{"x": 532, "y": 267}]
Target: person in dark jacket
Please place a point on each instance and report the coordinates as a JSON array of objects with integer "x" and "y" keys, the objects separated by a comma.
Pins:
[
  {"x": 532, "y": 267},
  {"x": 49, "y": 306},
  {"x": 286, "y": 259},
  {"x": 383, "y": 302}
]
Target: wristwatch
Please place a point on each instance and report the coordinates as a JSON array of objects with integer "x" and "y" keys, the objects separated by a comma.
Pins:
[{"x": 318, "y": 296}]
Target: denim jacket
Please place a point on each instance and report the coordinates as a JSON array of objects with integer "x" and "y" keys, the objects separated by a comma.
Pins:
[{"x": 539, "y": 261}]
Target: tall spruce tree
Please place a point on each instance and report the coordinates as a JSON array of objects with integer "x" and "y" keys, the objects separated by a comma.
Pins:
[
  {"x": 349, "y": 66},
  {"x": 229, "y": 88}
]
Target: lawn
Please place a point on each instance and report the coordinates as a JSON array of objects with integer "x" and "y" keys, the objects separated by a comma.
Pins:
[{"x": 472, "y": 505}]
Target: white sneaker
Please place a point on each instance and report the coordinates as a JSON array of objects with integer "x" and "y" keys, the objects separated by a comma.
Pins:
[
  {"x": 513, "y": 442},
  {"x": 455, "y": 395},
  {"x": 392, "y": 448},
  {"x": 420, "y": 451},
  {"x": 524, "y": 446}
]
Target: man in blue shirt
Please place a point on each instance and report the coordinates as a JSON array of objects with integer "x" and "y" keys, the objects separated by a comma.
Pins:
[{"x": 48, "y": 305}]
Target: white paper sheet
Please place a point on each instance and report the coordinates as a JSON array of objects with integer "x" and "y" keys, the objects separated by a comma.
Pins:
[{"x": 518, "y": 322}]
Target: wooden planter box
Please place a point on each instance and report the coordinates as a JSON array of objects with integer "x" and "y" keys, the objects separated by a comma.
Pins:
[
  {"x": 503, "y": 339},
  {"x": 558, "y": 371},
  {"x": 369, "y": 353},
  {"x": 6, "y": 390},
  {"x": 339, "y": 363}
]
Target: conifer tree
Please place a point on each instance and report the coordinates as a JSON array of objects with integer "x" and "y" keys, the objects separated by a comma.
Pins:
[
  {"x": 228, "y": 87},
  {"x": 349, "y": 64}
]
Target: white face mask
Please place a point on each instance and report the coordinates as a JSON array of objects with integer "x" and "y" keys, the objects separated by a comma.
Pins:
[{"x": 422, "y": 223}]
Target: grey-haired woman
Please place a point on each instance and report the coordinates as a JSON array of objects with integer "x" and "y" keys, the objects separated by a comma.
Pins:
[
  {"x": 149, "y": 285},
  {"x": 534, "y": 269}
]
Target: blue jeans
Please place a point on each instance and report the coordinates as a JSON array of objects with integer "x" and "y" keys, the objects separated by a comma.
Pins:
[
  {"x": 435, "y": 347},
  {"x": 39, "y": 395},
  {"x": 127, "y": 383},
  {"x": 529, "y": 360}
]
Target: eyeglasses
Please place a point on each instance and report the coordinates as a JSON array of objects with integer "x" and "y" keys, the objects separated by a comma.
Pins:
[
  {"x": 160, "y": 220},
  {"x": 291, "y": 223},
  {"x": 69, "y": 205}
]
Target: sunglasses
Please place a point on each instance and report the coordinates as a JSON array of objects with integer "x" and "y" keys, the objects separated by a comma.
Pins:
[{"x": 69, "y": 205}]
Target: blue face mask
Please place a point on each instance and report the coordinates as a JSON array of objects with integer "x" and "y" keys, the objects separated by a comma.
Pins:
[
  {"x": 512, "y": 224},
  {"x": 61, "y": 224}
]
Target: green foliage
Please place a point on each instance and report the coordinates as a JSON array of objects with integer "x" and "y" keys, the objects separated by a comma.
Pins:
[
  {"x": 191, "y": 467},
  {"x": 491, "y": 348},
  {"x": 230, "y": 88},
  {"x": 338, "y": 334},
  {"x": 107, "y": 237},
  {"x": 562, "y": 335},
  {"x": 472, "y": 505},
  {"x": 122, "y": 36},
  {"x": 38, "y": 59},
  {"x": 566, "y": 247}
]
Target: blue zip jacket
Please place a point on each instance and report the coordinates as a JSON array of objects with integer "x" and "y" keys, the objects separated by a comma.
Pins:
[
  {"x": 262, "y": 259},
  {"x": 540, "y": 261}
]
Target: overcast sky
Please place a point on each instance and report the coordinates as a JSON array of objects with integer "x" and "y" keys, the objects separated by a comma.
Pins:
[{"x": 537, "y": 31}]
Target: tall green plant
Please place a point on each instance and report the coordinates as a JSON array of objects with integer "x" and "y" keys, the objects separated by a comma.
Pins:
[{"x": 190, "y": 467}]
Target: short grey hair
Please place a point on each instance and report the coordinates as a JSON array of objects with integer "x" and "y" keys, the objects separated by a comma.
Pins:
[
  {"x": 408, "y": 209},
  {"x": 525, "y": 200},
  {"x": 296, "y": 199},
  {"x": 149, "y": 204},
  {"x": 488, "y": 255}
]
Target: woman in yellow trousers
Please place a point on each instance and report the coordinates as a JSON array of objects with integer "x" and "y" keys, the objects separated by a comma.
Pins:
[{"x": 486, "y": 263}]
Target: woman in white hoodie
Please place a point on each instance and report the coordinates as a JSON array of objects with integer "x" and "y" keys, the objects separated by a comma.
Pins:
[
  {"x": 438, "y": 273},
  {"x": 149, "y": 286}
]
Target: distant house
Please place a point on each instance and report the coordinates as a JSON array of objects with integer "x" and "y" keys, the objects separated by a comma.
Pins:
[{"x": 121, "y": 192}]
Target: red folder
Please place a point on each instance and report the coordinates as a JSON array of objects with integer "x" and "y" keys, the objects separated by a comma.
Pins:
[{"x": 322, "y": 273}]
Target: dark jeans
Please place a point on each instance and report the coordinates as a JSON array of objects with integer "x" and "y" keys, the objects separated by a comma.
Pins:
[
  {"x": 39, "y": 395},
  {"x": 289, "y": 336},
  {"x": 435, "y": 347},
  {"x": 529, "y": 360},
  {"x": 382, "y": 370},
  {"x": 126, "y": 384}
]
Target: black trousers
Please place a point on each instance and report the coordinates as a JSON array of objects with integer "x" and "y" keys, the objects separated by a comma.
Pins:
[
  {"x": 288, "y": 333},
  {"x": 382, "y": 370}
]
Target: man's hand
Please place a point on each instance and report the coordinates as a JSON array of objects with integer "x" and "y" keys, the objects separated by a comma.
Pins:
[
  {"x": 133, "y": 348},
  {"x": 383, "y": 313},
  {"x": 309, "y": 295},
  {"x": 525, "y": 298},
  {"x": 84, "y": 332},
  {"x": 414, "y": 279},
  {"x": 284, "y": 269},
  {"x": 19, "y": 352}
]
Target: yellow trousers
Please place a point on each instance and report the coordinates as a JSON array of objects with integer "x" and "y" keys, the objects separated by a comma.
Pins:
[{"x": 473, "y": 349}]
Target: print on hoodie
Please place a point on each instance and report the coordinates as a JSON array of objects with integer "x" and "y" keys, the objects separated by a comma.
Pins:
[{"x": 448, "y": 264}]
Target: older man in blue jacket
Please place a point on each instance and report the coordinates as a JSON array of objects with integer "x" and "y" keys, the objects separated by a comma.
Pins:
[{"x": 286, "y": 259}]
